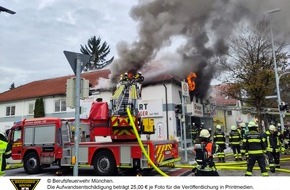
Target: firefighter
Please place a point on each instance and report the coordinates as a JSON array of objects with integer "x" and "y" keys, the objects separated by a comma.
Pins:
[
  {"x": 220, "y": 139},
  {"x": 204, "y": 150},
  {"x": 254, "y": 144},
  {"x": 234, "y": 141},
  {"x": 139, "y": 77},
  {"x": 274, "y": 145},
  {"x": 243, "y": 129},
  {"x": 5, "y": 151},
  {"x": 194, "y": 133},
  {"x": 286, "y": 139},
  {"x": 125, "y": 80}
]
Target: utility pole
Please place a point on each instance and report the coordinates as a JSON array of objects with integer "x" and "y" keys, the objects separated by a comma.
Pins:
[
  {"x": 276, "y": 68},
  {"x": 75, "y": 60},
  {"x": 185, "y": 93}
]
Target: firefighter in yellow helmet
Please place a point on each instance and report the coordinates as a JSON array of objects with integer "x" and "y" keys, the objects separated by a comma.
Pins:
[
  {"x": 234, "y": 141},
  {"x": 219, "y": 138},
  {"x": 274, "y": 145},
  {"x": 5, "y": 151},
  {"x": 204, "y": 150},
  {"x": 254, "y": 144}
]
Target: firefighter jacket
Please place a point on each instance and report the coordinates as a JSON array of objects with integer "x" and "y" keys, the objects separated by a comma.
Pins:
[
  {"x": 244, "y": 131},
  {"x": 254, "y": 143},
  {"x": 286, "y": 134},
  {"x": 273, "y": 141},
  {"x": 194, "y": 134},
  {"x": 5, "y": 151},
  {"x": 219, "y": 138},
  {"x": 138, "y": 78},
  {"x": 234, "y": 138},
  {"x": 204, "y": 151}
]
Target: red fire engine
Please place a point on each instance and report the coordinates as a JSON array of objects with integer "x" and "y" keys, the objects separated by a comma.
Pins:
[{"x": 43, "y": 142}]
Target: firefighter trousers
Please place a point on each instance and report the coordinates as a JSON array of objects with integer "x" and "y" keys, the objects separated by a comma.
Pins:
[
  {"x": 274, "y": 160},
  {"x": 237, "y": 152},
  {"x": 261, "y": 162}
]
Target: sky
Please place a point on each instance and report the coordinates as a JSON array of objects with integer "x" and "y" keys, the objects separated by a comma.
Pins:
[
  {"x": 32, "y": 41},
  {"x": 172, "y": 36}
]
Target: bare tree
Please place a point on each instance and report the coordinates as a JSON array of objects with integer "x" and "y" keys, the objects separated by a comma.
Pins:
[{"x": 249, "y": 65}]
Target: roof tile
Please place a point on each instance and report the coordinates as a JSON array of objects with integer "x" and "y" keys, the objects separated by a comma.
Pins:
[{"x": 49, "y": 87}]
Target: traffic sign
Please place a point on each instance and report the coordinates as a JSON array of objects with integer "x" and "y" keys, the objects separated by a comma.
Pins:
[
  {"x": 184, "y": 88},
  {"x": 72, "y": 59}
]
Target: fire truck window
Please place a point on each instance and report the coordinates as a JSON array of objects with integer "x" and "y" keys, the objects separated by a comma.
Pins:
[{"x": 17, "y": 136}]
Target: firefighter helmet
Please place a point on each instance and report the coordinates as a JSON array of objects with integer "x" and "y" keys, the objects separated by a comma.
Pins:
[
  {"x": 126, "y": 74},
  {"x": 139, "y": 72},
  {"x": 204, "y": 133},
  {"x": 233, "y": 127},
  {"x": 242, "y": 124},
  {"x": 272, "y": 128},
  {"x": 252, "y": 124},
  {"x": 219, "y": 127}
]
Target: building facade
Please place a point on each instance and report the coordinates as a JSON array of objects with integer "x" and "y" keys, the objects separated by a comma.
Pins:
[{"x": 158, "y": 101}]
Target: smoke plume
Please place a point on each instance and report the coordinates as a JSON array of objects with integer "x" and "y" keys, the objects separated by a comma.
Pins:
[{"x": 203, "y": 26}]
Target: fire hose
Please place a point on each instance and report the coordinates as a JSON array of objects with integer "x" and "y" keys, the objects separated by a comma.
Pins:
[
  {"x": 223, "y": 166},
  {"x": 142, "y": 146}
]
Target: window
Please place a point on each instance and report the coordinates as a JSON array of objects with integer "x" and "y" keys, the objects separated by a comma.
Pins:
[
  {"x": 10, "y": 110},
  {"x": 17, "y": 135},
  {"x": 230, "y": 112},
  {"x": 59, "y": 106},
  {"x": 30, "y": 108}
]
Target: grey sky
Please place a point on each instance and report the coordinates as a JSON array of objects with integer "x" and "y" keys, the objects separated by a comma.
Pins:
[{"x": 33, "y": 40}]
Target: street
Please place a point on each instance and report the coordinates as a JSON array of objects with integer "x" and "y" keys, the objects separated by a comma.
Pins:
[{"x": 230, "y": 168}]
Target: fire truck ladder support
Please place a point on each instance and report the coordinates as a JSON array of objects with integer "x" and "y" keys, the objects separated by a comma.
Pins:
[
  {"x": 142, "y": 146},
  {"x": 66, "y": 139}
]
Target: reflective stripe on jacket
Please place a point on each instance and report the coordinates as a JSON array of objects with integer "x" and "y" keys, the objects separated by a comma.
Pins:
[
  {"x": 219, "y": 137},
  {"x": 234, "y": 138},
  {"x": 254, "y": 143},
  {"x": 273, "y": 142}
]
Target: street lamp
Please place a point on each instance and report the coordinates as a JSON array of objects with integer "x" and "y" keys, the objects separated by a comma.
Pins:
[
  {"x": 276, "y": 69},
  {"x": 3, "y": 9}
]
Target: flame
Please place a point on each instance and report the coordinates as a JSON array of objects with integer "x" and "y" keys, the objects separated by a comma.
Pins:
[
  {"x": 191, "y": 83},
  {"x": 130, "y": 75}
]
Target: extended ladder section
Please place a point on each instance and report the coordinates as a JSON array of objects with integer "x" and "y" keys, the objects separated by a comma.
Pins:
[
  {"x": 124, "y": 96},
  {"x": 66, "y": 139}
]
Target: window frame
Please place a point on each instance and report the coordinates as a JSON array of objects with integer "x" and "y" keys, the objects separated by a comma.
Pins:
[
  {"x": 33, "y": 107},
  {"x": 61, "y": 105},
  {"x": 12, "y": 112}
]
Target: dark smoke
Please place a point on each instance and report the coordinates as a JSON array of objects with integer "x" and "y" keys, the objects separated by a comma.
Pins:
[{"x": 203, "y": 24}]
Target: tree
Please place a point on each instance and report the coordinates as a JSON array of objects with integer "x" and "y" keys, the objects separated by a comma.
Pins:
[
  {"x": 249, "y": 66},
  {"x": 39, "y": 108},
  {"x": 98, "y": 53}
]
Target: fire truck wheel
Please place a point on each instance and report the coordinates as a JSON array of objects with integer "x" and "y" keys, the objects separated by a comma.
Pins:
[
  {"x": 31, "y": 163},
  {"x": 104, "y": 164}
]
